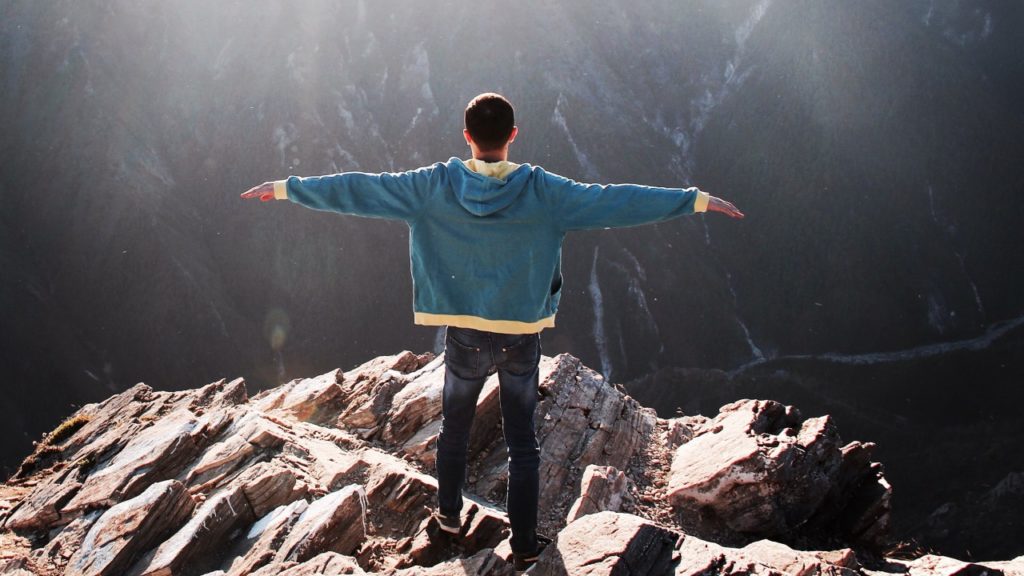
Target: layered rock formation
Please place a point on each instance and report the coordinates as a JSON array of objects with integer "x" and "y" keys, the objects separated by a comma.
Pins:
[{"x": 333, "y": 475}]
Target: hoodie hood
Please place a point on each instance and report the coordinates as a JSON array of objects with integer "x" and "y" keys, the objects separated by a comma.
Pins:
[{"x": 484, "y": 188}]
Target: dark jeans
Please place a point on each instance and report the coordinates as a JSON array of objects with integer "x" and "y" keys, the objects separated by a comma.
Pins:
[{"x": 470, "y": 356}]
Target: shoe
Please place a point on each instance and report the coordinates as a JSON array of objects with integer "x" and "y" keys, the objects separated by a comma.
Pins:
[
  {"x": 449, "y": 524},
  {"x": 522, "y": 561}
]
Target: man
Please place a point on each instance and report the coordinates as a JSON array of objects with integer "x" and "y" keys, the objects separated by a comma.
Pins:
[{"x": 485, "y": 250}]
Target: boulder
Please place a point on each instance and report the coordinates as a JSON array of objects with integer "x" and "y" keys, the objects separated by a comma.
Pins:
[
  {"x": 609, "y": 543},
  {"x": 602, "y": 488},
  {"x": 759, "y": 469}
]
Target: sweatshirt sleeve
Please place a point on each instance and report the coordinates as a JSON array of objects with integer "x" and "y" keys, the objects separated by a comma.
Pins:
[
  {"x": 398, "y": 196},
  {"x": 579, "y": 206}
]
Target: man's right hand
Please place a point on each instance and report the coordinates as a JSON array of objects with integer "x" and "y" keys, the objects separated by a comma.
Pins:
[
  {"x": 725, "y": 207},
  {"x": 265, "y": 192}
]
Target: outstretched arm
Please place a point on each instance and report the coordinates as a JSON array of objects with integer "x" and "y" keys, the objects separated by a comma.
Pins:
[
  {"x": 384, "y": 195},
  {"x": 578, "y": 206}
]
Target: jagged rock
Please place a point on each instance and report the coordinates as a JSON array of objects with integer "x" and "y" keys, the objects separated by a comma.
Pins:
[
  {"x": 249, "y": 434},
  {"x": 801, "y": 563},
  {"x": 334, "y": 474},
  {"x": 59, "y": 550},
  {"x": 314, "y": 400},
  {"x": 483, "y": 527},
  {"x": 41, "y": 509},
  {"x": 609, "y": 543},
  {"x": 327, "y": 563},
  {"x": 602, "y": 488},
  {"x": 267, "y": 486},
  {"x": 861, "y": 498},
  {"x": 932, "y": 565},
  {"x": 331, "y": 465},
  {"x": 581, "y": 420},
  {"x": 15, "y": 567},
  {"x": 699, "y": 557},
  {"x": 121, "y": 413},
  {"x": 483, "y": 563},
  {"x": 204, "y": 533},
  {"x": 615, "y": 543},
  {"x": 157, "y": 453},
  {"x": 400, "y": 497},
  {"x": 261, "y": 544},
  {"x": 758, "y": 468},
  {"x": 335, "y": 522},
  {"x": 368, "y": 396},
  {"x": 415, "y": 404},
  {"x": 1013, "y": 567},
  {"x": 129, "y": 528}
]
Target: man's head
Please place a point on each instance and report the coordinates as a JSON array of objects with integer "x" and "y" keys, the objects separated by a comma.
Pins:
[{"x": 490, "y": 123}]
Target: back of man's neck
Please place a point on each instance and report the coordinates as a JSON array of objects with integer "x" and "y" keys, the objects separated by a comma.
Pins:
[{"x": 489, "y": 159}]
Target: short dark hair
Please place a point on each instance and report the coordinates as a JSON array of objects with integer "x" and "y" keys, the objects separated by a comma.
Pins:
[{"x": 490, "y": 119}]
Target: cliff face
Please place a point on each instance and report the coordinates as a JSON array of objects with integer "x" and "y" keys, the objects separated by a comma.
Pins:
[
  {"x": 874, "y": 145},
  {"x": 333, "y": 475}
]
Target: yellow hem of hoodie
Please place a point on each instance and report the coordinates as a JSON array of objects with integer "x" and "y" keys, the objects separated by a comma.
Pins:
[
  {"x": 281, "y": 190},
  {"x": 478, "y": 323},
  {"x": 701, "y": 203}
]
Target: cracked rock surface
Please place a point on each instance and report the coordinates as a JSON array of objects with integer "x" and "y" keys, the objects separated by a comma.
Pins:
[{"x": 334, "y": 475}]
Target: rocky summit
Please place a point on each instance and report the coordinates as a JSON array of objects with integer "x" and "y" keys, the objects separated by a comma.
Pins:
[{"x": 333, "y": 475}]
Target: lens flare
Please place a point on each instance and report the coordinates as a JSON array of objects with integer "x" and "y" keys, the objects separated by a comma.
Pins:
[{"x": 276, "y": 326}]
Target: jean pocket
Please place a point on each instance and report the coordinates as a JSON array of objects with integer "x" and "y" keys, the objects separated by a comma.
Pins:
[
  {"x": 522, "y": 355},
  {"x": 462, "y": 359}
]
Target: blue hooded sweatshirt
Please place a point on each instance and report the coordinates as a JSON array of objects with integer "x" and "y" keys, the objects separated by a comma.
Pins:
[{"x": 486, "y": 238}]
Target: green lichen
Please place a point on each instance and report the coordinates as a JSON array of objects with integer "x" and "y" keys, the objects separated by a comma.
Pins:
[{"x": 65, "y": 430}]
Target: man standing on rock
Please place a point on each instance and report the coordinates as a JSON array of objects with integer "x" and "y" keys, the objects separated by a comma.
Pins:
[{"x": 486, "y": 243}]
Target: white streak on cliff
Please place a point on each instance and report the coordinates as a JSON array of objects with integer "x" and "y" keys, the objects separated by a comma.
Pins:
[
  {"x": 754, "y": 349},
  {"x": 970, "y": 281},
  {"x": 600, "y": 340},
  {"x": 950, "y": 230},
  {"x": 558, "y": 118},
  {"x": 285, "y": 137},
  {"x": 981, "y": 342},
  {"x": 718, "y": 85},
  {"x": 639, "y": 298},
  {"x": 931, "y": 206}
]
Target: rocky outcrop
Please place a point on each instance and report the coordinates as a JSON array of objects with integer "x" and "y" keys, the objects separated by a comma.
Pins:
[
  {"x": 758, "y": 468},
  {"x": 609, "y": 543},
  {"x": 602, "y": 488},
  {"x": 333, "y": 474}
]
